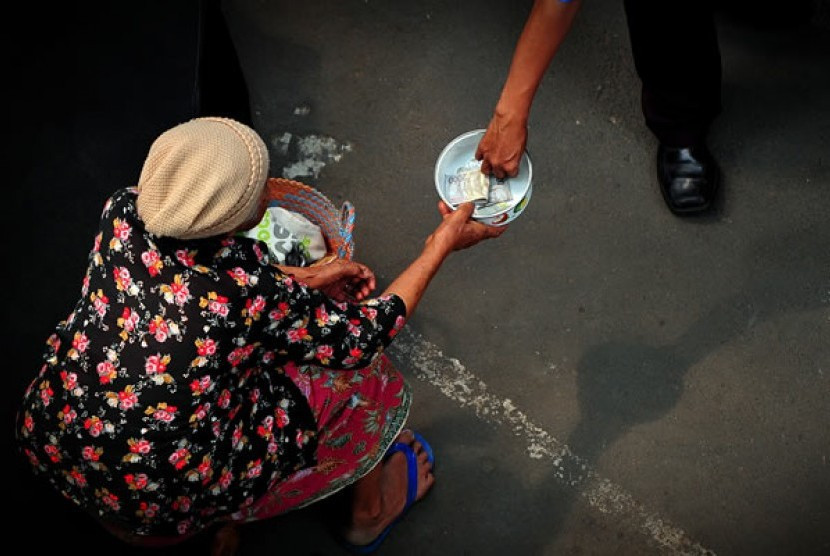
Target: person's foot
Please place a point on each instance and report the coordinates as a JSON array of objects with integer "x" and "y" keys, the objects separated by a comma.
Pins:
[
  {"x": 688, "y": 178},
  {"x": 368, "y": 523}
]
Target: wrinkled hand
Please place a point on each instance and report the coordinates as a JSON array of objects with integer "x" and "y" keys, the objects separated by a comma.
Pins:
[
  {"x": 340, "y": 280},
  {"x": 457, "y": 231},
  {"x": 500, "y": 150}
]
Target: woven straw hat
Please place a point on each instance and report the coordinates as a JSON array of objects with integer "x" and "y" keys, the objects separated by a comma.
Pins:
[{"x": 202, "y": 178}]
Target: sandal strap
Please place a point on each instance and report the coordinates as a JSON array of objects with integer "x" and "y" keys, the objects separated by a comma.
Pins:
[{"x": 411, "y": 471}]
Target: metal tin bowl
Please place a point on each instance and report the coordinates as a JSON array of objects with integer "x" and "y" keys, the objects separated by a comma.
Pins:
[{"x": 460, "y": 153}]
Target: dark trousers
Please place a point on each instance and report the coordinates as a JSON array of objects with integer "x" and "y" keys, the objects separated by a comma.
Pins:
[
  {"x": 220, "y": 88},
  {"x": 676, "y": 53}
]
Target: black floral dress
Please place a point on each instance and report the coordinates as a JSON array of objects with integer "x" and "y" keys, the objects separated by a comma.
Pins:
[{"x": 162, "y": 404}]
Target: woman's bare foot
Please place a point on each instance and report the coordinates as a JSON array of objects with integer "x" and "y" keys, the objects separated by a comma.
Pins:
[{"x": 380, "y": 496}]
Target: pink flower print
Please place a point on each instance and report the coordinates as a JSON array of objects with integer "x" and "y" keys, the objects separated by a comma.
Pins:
[
  {"x": 152, "y": 262},
  {"x": 279, "y": 312},
  {"x": 46, "y": 393},
  {"x": 255, "y": 306},
  {"x": 272, "y": 447},
  {"x": 106, "y": 372},
  {"x": 33, "y": 459},
  {"x": 149, "y": 510},
  {"x": 224, "y": 399},
  {"x": 236, "y": 436},
  {"x": 369, "y": 312},
  {"x": 265, "y": 429},
  {"x": 85, "y": 285},
  {"x": 354, "y": 327},
  {"x": 232, "y": 413},
  {"x": 225, "y": 479},
  {"x": 288, "y": 282},
  {"x": 258, "y": 252},
  {"x": 399, "y": 322},
  {"x": 219, "y": 308},
  {"x": 53, "y": 453},
  {"x": 54, "y": 342},
  {"x": 182, "y": 504},
  {"x": 205, "y": 347},
  {"x": 200, "y": 413},
  {"x": 163, "y": 412},
  {"x": 159, "y": 328},
  {"x": 184, "y": 526},
  {"x": 127, "y": 398},
  {"x": 77, "y": 478},
  {"x": 90, "y": 453},
  {"x": 354, "y": 356},
  {"x": 240, "y": 276},
  {"x": 70, "y": 380},
  {"x": 128, "y": 321},
  {"x": 240, "y": 354},
  {"x": 324, "y": 353},
  {"x": 121, "y": 229},
  {"x": 96, "y": 244},
  {"x": 80, "y": 342},
  {"x": 67, "y": 414},
  {"x": 282, "y": 417},
  {"x": 254, "y": 395},
  {"x": 176, "y": 292},
  {"x": 200, "y": 386},
  {"x": 94, "y": 426},
  {"x": 100, "y": 302},
  {"x": 156, "y": 364},
  {"x": 187, "y": 258},
  {"x": 297, "y": 334},
  {"x": 321, "y": 315},
  {"x": 254, "y": 469},
  {"x": 215, "y": 303},
  {"x": 28, "y": 422},
  {"x": 179, "y": 458},
  {"x": 136, "y": 482},
  {"x": 180, "y": 293},
  {"x": 204, "y": 468},
  {"x": 122, "y": 278},
  {"x": 111, "y": 500},
  {"x": 268, "y": 357},
  {"x": 139, "y": 446}
]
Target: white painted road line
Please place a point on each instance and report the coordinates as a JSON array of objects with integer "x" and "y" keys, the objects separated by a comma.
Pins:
[{"x": 467, "y": 390}]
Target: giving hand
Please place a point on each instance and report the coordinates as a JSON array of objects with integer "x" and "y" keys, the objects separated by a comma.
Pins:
[{"x": 500, "y": 150}]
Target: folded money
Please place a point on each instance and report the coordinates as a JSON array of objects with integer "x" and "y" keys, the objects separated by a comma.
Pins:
[{"x": 468, "y": 185}]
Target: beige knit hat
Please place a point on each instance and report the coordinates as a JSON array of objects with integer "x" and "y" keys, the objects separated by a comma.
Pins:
[{"x": 202, "y": 178}]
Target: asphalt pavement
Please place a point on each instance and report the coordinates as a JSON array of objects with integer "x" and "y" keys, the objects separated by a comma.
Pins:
[{"x": 605, "y": 378}]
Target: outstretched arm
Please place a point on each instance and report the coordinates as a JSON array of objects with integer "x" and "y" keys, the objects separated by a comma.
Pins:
[
  {"x": 338, "y": 334},
  {"x": 501, "y": 148},
  {"x": 456, "y": 231}
]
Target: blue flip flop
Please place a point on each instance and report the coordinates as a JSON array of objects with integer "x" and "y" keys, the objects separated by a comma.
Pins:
[
  {"x": 427, "y": 448},
  {"x": 411, "y": 491}
]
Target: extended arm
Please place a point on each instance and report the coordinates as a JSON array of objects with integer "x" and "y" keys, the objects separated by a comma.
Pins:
[
  {"x": 340, "y": 334},
  {"x": 501, "y": 148}
]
